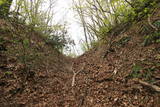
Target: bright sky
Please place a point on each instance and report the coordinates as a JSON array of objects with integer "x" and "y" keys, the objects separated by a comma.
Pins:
[{"x": 65, "y": 13}]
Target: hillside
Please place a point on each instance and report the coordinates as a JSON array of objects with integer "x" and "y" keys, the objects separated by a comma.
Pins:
[
  {"x": 126, "y": 74},
  {"x": 30, "y": 69}
]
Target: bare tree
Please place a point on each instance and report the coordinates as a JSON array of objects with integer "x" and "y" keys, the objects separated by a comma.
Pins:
[
  {"x": 79, "y": 10},
  {"x": 99, "y": 16}
]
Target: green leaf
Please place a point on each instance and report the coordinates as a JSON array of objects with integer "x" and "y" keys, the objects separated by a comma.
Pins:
[
  {"x": 1, "y": 2},
  {"x": 26, "y": 43},
  {"x": 8, "y": 73},
  {"x": 137, "y": 68}
]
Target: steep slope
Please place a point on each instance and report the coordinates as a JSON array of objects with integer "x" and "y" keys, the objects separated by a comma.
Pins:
[
  {"x": 124, "y": 75},
  {"x": 33, "y": 74}
]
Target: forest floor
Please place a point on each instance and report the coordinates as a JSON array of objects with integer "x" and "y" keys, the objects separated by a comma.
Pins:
[{"x": 127, "y": 75}]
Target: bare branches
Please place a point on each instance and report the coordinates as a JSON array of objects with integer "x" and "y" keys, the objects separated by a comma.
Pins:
[
  {"x": 81, "y": 14},
  {"x": 129, "y": 3},
  {"x": 35, "y": 14},
  {"x": 100, "y": 16}
]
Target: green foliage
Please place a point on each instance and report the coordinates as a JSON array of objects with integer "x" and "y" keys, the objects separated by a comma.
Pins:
[
  {"x": 84, "y": 47},
  {"x": 26, "y": 43},
  {"x": 157, "y": 23},
  {"x": 95, "y": 44},
  {"x": 59, "y": 38},
  {"x": 145, "y": 70},
  {"x": 8, "y": 73},
  {"x": 152, "y": 38},
  {"x": 4, "y": 8},
  {"x": 139, "y": 72},
  {"x": 103, "y": 32},
  {"x": 4, "y": 2},
  {"x": 136, "y": 71},
  {"x": 1, "y": 2},
  {"x": 105, "y": 16},
  {"x": 41, "y": 20},
  {"x": 123, "y": 41}
]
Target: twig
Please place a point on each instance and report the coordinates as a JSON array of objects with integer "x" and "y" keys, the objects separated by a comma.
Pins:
[
  {"x": 129, "y": 3},
  {"x": 75, "y": 73},
  {"x": 154, "y": 87},
  {"x": 150, "y": 23}
]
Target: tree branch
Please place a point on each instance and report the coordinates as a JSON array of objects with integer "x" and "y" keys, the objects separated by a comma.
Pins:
[
  {"x": 76, "y": 73},
  {"x": 150, "y": 23},
  {"x": 154, "y": 87}
]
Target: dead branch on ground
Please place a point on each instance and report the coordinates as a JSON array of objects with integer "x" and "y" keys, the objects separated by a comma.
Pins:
[
  {"x": 150, "y": 23},
  {"x": 76, "y": 73},
  {"x": 154, "y": 87}
]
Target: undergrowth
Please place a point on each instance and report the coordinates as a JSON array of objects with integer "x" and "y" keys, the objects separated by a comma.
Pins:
[
  {"x": 153, "y": 37},
  {"x": 145, "y": 70}
]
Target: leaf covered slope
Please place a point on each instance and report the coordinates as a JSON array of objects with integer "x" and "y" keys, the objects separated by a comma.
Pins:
[{"x": 124, "y": 74}]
